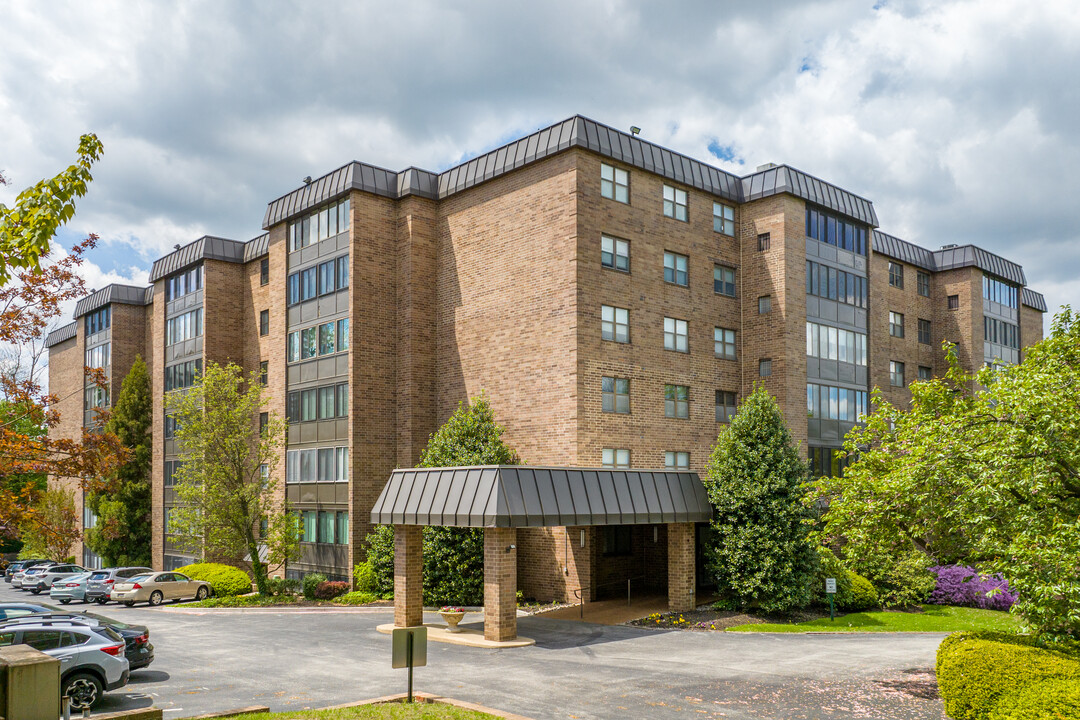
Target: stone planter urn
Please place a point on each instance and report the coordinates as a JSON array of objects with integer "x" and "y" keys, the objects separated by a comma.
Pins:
[{"x": 452, "y": 616}]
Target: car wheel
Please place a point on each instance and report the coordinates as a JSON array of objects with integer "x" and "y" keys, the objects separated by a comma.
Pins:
[
  {"x": 201, "y": 593},
  {"x": 84, "y": 690},
  {"x": 102, "y": 601},
  {"x": 65, "y": 601},
  {"x": 156, "y": 597},
  {"x": 35, "y": 591},
  {"x": 129, "y": 603}
]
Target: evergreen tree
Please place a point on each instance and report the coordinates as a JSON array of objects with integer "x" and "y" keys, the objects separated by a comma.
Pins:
[
  {"x": 453, "y": 557},
  {"x": 760, "y": 553},
  {"x": 123, "y": 532}
]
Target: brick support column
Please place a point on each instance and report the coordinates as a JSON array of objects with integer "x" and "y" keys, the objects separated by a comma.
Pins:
[
  {"x": 408, "y": 575},
  {"x": 681, "y": 567},
  {"x": 500, "y": 584}
]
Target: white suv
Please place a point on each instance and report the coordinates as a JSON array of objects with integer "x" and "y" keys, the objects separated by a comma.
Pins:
[
  {"x": 41, "y": 581},
  {"x": 91, "y": 658}
]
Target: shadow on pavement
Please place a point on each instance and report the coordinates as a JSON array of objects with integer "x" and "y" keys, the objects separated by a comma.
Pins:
[
  {"x": 139, "y": 677},
  {"x": 551, "y": 634}
]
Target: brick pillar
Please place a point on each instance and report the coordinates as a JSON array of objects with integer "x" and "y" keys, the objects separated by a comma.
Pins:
[
  {"x": 500, "y": 584},
  {"x": 408, "y": 575},
  {"x": 681, "y": 567}
]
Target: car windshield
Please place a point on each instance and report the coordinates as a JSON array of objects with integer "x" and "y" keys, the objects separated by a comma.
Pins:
[
  {"x": 80, "y": 576},
  {"x": 140, "y": 578},
  {"x": 99, "y": 576}
]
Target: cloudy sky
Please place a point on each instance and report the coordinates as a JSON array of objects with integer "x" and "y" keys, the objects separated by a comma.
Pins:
[{"x": 958, "y": 119}]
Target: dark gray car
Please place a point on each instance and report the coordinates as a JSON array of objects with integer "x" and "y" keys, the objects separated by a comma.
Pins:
[{"x": 101, "y": 582}]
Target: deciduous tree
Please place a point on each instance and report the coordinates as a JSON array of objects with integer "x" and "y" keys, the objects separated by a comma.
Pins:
[{"x": 53, "y": 527}]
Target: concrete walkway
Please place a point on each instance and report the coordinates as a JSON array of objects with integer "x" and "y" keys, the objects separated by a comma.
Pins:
[{"x": 611, "y": 612}]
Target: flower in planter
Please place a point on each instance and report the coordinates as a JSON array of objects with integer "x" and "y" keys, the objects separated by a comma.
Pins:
[{"x": 450, "y": 609}]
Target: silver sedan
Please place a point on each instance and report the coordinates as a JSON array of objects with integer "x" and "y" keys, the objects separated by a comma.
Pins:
[{"x": 155, "y": 588}]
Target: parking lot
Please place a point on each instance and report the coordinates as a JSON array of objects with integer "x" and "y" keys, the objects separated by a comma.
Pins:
[{"x": 209, "y": 660}]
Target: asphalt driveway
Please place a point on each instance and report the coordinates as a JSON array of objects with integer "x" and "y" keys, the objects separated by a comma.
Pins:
[{"x": 219, "y": 659}]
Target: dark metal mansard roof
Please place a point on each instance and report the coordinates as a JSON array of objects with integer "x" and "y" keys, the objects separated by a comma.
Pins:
[
  {"x": 1033, "y": 299},
  {"x": 579, "y": 132},
  {"x": 114, "y": 293},
  {"x": 61, "y": 334},
  {"x": 527, "y": 496},
  {"x": 948, "y": 258}
]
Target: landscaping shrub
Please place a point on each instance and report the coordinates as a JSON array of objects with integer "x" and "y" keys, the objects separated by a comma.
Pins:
[
  {"x": 453, "y": 564},
  {"x": 862, "y": 595},
  {"x": 976, "y": 671},
  {"x": 854, "y": 593},
  {"x": 330, "y": 589},
  {"x": 962, "y": 585},
  {"x": 1047, "y": 700},
  {"x": 358, "y": 597},
  {"x": 311, "y": 583},
  {"x": 380, "y": 556},
  {"x": 283, "y": 586},
  {"x": 899, "y": 583},
  {"x": 365, "y": 579},
  {"x": 226, "y": 580}
]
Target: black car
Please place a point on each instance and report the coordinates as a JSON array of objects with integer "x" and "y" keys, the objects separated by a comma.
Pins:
[
  {"x": 137, "y": 647},
  {"x": 18, "y": 565}
]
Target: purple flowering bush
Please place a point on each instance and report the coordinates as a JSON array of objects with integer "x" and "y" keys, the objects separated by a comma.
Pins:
[{"x": 962, "y": 585}]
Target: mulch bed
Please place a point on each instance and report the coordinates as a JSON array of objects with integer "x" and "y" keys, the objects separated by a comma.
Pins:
[{"x": 705, "y": 619}]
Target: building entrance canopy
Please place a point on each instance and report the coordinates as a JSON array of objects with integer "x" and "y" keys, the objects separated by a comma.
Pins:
[{"x": 505, "y": 496}]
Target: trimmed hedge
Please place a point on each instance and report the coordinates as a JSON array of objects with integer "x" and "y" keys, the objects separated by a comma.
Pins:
[
  {"x": 226, "y": 580},
  {"x": 979, "y": 672},
  {"x": 1055, "y": 699},
  {"x": 330, "y": 589}
]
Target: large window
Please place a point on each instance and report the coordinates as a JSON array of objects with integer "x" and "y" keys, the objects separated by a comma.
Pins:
[
  {"x": 183, "y": 327},
  {"x": 896, "y": 275},
  {"x": 828, "y": 462},
  {"x": 1001, "y": 332},
  {"x": 319, "y": 225},
  {"x": 675, "y": 269},
  {"x": 327, "y": 277},
  {"x": 324, "y": 339},
  {"x": 96, "y": 396},
  {"x": 98, "y": 356},
  {"x": 321, "y": 403},
  {"x": 328, "y": 464},
  {"x": 675, "y": 203},
  {"x": 676, "y": 460},
  {"x": 1000, "y": 292},
  {"x": 724, "y": 343},
  {"x": 614, "y": 324},
  {"x": 322, "y": 279},
  {"x": 724, "y": 280},
  {"x": 834, "y": 403},
  {"x": 726, "y": 405},
  {"x": 184, "y": 283},
  {"x": 833, "y": 284},
  {"x": 677, "y": 401},
  {"x": 832, "y": 230},
  {"x": 896, "y": 373},
  {"x": 615, "y": 457},
  {"x": 98, "y": 320},
  {"x": 327, "y": 338},
  {"x": 723, "y": 219},
  {"x": 675, "y": 335},
  {"x": 896, "y": 324},
  {"x": 923, "y": 279},
  {"x": 924, "y": 331},
  {"x": 172, "y": 470},
  {"x": 182, "y": 375},
  {"x": 614, "y": 253},
  {"x": 614, "y": 183},
  {"x": 615, "y": 395},
  {"x": 829, "y": 343}
]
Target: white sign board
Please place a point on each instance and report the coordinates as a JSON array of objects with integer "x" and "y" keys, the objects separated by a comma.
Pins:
[{"x": 830, "y": 586}]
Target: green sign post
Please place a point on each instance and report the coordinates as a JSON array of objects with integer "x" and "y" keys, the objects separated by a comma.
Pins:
[
  {"x": 830, "y": 590},
  {"x": 410, "y": 650}
]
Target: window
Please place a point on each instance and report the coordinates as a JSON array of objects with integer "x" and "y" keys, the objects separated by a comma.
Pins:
[
  {"x": 264, "y": 421},
  {"x": 264, "y": 271},
  {"x": 308, "y": 283},
  {"x": 264, "y": 479},
  {"x": 1001, "y": 332},
  {"x": 723, "y": 280},
  {"x": 615, "y": 395},
  {"x": 327, "y": 277},
  {"x": 319, "y": 225},
  {"x": 294, "y": 289},
  {"x": 171, "y": 426},
  {"x": 98, "y": 320},
  {"x": 264, "y": 322},
  {"x": 172, "y": 469},
  {"x": 326, "y": 460},
  {"x": 1000, "y": 292},
  {"x": 326, "y": 403},
  {"x": 264, "y": 372},
  {"x": 617, "y": 539},
  {"x": 310, "y": 520},
  {"x": 183, "y": 327},
  {"x": 342, "y": 534},
  {"x": 924, "y": 331},
  {"x": 829, "y": 343},
  {"x": 925, "y": 373},
  {"x": 828, "y": 462},
  {"x": 764, "y": 241},
  {"x": 326, "y": 338},
  {"x": 614, "y": 324},
  {"x": 676, "y": 460},
  {"x": 308, "y": 405},
  {"x": 835, "y": 403},
  {"x": 675, "y": 203},
  {"x": 615, "y": 457},
  {"x": 726, "y": 405},
  {"x": 182, "y": 375},
  {"x": 833, "y": 230},
  {"x": 614, "y": 253},
  {"x": 896, "y": 275},
  {"x": 923, "y": 282},
  {"x": 676, "y": 401},
  {"x": 184, "y": 283},
  {"x": 764, "y": 367},
  {"x": 343, "y": 272},
  {"x": 342, "y": 399},
  {"x": 896, "y": 373},
  {"x": 724, "y": 343},
  {"x": 827, "y": 282},
  {"x": 341, "y": 464},
  {"x": 98, "y": 356},
  {"x": 614, "y": 183},
  {"x": 764, "y": 304},
  {"x": 343, "y": 335},
  {"x": 675, "y": 269},
  {"x": 675, "y": 336},
  {"x": 723, "y": 219},
  {"x": 954, "y": 302},
  {"x": 896, "y": 324}
]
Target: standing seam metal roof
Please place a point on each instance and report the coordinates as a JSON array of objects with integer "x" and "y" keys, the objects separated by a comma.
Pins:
[
  {"x": 61, "y": 334},
  {"x": 528, "y": 496},
  {"x": 902, "y": 250},
  {"x": 115, "y": 293},
  {"x": 948, "y": 258},
  {"x": 581, "y": 132},
  {"x": 1033, "y": 299},
  {"x": 210, "y": 248}
]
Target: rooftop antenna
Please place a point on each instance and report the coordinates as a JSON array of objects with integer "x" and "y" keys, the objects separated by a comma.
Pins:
[
  {"x": 635, "y": 130},
  {"x": 307, "y": 180},
  {"x": 176, "y": 246}
]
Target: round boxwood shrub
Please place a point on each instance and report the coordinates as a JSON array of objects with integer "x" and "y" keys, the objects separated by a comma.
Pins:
[
  {"x": 311, "y": 584},
  {"x": 1047, "y": 700},
  {"x": 854, "y": 593},
  {"x": 976, "y": 671},
  {"x": 860, "y": 595},
  {"x": 224, "y": 579}
]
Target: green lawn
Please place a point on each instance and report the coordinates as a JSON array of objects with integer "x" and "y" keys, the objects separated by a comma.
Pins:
[
  {"x": 390, "y": 711},
  {"x": 934, "y": 618}
]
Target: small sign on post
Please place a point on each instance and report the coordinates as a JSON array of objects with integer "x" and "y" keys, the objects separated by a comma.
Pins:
[
  {"x": 409, "y": 650},
  {"x": 830, "y": 590}
]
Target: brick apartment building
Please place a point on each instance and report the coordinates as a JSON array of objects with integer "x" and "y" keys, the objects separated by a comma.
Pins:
[{"x": 614, "y": 299}]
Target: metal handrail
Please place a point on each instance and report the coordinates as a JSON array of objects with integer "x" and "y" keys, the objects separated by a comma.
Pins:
[{"x": 581, "y": 605}]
